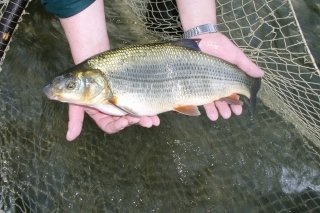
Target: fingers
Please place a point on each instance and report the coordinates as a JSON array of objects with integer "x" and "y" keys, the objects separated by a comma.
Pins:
[
  {"x": 132, "y": 120},
  {"x": 149, "y": 121},
  {"x": 115, "y": 125},
  {"x": 112, "y": 124},
  {"x": 213, "y": 110},
  {"x": 223, "y": 109},
  {"x": 109, "y": 124},
  {"x": 76, "y": 115},
  {"x": 155, "y": 120},
  {"x": 236, "y": 109}
]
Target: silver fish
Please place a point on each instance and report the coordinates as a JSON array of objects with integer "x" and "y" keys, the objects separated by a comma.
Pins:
[{"x": 146, "y": 80}]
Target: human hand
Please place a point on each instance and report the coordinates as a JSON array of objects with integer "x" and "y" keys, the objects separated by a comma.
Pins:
[
  {"x": 87, "y": 39},
  {"x": 108, "y": 123},
  {"x": 220, "y": 46}
]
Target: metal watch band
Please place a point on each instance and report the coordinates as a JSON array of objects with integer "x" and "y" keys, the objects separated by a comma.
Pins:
[{"x": 202, "y": 29}]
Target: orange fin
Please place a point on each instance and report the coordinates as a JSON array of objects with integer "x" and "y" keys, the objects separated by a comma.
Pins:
[
  {"x": 232, "y": 99},
  {"x": 190, "y": 110},
  {"x": 114, "y": 102}
]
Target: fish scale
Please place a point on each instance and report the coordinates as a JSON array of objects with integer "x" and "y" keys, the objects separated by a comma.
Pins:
[{"x": 154, "y": 78}]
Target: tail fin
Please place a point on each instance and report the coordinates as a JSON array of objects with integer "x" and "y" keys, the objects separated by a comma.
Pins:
[{"x": 255, "y": 86}]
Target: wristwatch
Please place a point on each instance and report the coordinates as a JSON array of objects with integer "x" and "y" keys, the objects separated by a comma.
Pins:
[{"x": 202, "y": 29}]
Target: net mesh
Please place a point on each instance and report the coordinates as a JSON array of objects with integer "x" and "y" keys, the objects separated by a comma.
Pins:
[{"x": 186, "y": 164}]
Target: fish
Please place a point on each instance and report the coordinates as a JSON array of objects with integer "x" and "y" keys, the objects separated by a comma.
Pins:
[{"x": 149, "y": 79}]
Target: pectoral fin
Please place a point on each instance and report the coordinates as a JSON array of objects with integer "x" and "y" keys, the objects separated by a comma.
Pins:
[
  {"x": 190, "y": 110},
  {"x": 232, "y": 99},
  {"x": 114, "y": 101}
]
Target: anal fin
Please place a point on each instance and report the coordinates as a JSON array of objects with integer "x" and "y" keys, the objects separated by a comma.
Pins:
[
  {"x": 190, "y": 110},
  {"x": 232, "y": 99}
]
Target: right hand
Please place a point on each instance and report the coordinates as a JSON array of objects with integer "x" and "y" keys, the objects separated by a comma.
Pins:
[
  {"x": 108, "y": 123},
  {"x": 220, "y": 46}
]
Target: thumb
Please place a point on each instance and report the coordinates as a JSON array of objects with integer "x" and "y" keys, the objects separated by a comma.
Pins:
[
  {"x": 76, "y": 116},
  {"x": 244, "y": 63}
]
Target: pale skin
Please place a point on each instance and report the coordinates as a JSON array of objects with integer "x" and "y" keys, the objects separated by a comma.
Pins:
[{"x": 87, "y": 35}]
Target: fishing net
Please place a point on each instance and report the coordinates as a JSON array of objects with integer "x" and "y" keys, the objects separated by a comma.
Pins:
[
  {"x": 266, "y": 164},
  {"x": 11, "y": 12}
]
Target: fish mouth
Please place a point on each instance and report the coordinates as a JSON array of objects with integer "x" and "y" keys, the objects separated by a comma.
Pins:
[{"x": 47, "y": 91}]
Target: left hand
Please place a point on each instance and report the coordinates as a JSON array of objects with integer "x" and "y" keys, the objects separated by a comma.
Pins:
[
  {"x": 220, "y": 46},
  {"x": 108, "y": 123}
]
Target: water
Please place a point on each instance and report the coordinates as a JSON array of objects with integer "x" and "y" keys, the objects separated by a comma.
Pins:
[{"x": 187, "y": 164}]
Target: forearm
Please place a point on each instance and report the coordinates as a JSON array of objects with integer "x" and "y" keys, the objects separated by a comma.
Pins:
[
  {"x": 87, "y": 32},
  {"x": 194, "y": 13}
]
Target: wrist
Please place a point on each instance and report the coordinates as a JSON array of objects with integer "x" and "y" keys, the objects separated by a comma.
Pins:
[
  {"x": 200, "y": 30},
  {"x": 86, "y": 32},
  {"x": 193, "y": 15}
]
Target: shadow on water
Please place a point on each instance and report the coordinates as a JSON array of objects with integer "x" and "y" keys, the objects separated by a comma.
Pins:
[{"x": 187, "y": 164}]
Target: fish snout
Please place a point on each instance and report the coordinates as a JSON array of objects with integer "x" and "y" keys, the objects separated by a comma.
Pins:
[{"x": 47, "y": 91}]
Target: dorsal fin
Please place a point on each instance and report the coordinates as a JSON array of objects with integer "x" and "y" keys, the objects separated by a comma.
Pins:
[{"x": 189, "y": 43}]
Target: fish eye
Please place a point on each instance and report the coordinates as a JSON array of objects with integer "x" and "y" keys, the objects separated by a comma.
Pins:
[{"x": 71, "y": 85}]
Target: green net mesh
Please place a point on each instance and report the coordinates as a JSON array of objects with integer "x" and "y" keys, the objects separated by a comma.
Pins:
[{"x": 266, "y": 164}]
